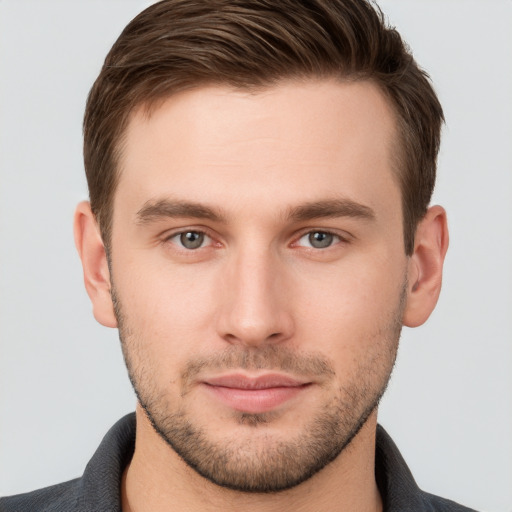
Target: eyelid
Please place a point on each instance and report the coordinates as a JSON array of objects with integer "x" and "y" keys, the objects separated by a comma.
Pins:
[
  {"x": 168, "y": 235},
  {"x": 170, "y": 232},
  {"x": 343, "y": 236}
]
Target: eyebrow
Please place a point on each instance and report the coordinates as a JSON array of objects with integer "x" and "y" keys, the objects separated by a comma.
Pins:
[
  {"x": 165, "y": 208},
  {"x": 331, "y": 208},
  {"x": 154, "y": 210}
]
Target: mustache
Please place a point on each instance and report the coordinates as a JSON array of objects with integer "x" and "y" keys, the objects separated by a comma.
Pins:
[{"x": 270, "y": 357}]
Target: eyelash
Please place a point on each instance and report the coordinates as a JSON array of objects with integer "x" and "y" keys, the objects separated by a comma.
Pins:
[
  {"x": 204, "y": 233},
  {"x": 334, "y": 236},
  {"x": 337, "y": 237}
]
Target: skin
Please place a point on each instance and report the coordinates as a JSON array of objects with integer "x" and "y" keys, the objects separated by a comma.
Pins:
[{"x": 256, "y": 285}]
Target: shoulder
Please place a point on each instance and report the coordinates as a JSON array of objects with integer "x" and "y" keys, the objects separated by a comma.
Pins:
[
  {"x": 437, "y": 504},
  {"x": 56, "y": 498},
  {"x": 96, "y": 490},
  {"x": 397, "y": 486}
]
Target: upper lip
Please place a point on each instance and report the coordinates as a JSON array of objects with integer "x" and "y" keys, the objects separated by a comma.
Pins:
[{"x": 265, "y": 381}]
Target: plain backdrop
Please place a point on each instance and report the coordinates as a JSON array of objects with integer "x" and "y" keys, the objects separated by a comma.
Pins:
[{"x": 62, "y": 378}]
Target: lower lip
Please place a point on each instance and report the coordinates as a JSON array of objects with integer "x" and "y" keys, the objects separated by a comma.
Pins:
[{"x": 255, "y": 401}]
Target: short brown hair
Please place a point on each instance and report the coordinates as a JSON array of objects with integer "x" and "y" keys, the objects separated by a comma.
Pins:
[{"x": 180, "y": 44}]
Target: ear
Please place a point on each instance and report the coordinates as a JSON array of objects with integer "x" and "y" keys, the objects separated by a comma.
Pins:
[
  {"x": 94, "y": 262},
  {"x": 425, "y": 268}
]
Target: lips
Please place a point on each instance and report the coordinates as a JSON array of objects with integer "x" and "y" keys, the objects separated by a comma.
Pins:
[{"x": 254, "y": 395}]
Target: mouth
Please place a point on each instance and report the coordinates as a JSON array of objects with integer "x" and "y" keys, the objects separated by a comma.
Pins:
[{"x": 255, "y": 395}]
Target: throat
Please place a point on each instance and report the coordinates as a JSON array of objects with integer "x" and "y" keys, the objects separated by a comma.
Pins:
[{"x": 158, "y": 480}]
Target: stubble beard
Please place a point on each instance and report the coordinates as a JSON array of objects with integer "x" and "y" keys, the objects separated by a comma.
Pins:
[{"x": 270, "y": 465}]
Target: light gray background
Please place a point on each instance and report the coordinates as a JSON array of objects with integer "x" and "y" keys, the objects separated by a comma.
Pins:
[{"x": 62, "y": 379}]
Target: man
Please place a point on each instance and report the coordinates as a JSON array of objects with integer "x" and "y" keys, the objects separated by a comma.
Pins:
[{"x": 259, "y": 232}]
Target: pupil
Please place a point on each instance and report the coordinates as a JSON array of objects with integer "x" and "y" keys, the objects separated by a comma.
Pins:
[
  {"x": 192, "y": 239},
  {"x": 319, "y": 239}
]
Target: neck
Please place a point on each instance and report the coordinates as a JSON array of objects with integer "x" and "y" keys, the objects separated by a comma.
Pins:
[{"x": 158, "y": 480}]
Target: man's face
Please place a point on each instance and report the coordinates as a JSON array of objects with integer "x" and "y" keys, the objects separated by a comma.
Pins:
[{"x": 258, "y": 273}]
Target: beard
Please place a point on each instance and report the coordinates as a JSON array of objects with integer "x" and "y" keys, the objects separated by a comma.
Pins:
[{"x": 262, "y": 462}]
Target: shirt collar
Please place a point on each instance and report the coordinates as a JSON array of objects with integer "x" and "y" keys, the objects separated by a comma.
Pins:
[{"x": 100, "y": 486}]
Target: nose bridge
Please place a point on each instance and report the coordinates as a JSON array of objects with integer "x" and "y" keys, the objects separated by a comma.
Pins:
[{"x": 256, "y": 310}]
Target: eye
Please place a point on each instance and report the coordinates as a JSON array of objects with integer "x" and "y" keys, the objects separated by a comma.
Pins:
[
  {"x": 191, "y": 239},
  {"x": 319, "y": 239}
]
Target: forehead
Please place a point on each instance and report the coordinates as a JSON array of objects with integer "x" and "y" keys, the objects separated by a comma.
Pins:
[{"x": 217, "y": 144}]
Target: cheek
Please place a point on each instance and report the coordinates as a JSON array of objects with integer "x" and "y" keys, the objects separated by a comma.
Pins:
[
  {"x": 168, "y": 311},
  {"x": 352, "y": 309}
]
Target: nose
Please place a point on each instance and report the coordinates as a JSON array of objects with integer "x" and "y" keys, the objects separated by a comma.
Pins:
[{"x": 255, "y": 308}]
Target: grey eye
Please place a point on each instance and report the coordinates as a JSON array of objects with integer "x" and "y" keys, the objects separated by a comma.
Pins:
[
  {"x": 318, "y": 239},
  {"x": 191, "y": 239}
]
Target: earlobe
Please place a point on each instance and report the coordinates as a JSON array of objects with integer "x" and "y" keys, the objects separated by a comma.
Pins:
[
  {"x": 91, "y": 249},
  {"x": 426, "y": 267}
]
